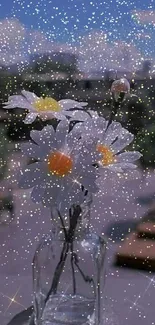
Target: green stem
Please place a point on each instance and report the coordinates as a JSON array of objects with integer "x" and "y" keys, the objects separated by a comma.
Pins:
[
  {"x": 113, "y": 112},
  {"x": 60, "y": 265},
  {"x": 58, "y": 271},
  {"x": 73, "y": 270}
]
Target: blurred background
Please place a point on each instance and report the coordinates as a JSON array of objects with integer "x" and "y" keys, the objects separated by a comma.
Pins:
[{"x": 76, "y": 49}]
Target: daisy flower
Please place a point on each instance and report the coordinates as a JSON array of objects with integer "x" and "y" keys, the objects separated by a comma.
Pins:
[
  {"x": 111, "y": 141},
  {"x": 47, "y": 108},
  {"x": 63, "y": 165}
]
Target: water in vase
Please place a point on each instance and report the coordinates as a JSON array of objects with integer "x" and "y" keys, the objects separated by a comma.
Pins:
[{"x": 68, "y": 310}]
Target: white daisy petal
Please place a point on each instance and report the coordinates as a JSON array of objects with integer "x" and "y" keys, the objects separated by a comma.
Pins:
[
  {"x": 124, "y": 140},
  {"x": 83, "y": 104},
  {"x": 114, "y": 167},
  {"x": 48, "y": 131},
  {"x": 67, "y": 104},
  {"x": 127, "y": 166},
  {"x": 33, "y": 175},
  {"x": 90, "y": 154},
  {"x": 31, "y": 97},
  {"x": 50, "y": 139},
  {"x": 50, "y": 115},
  {"x": 73, "y": 140},
  {"x": 30, "y": 118},
  {"x": 129, "y": 156},
  {"x": 93, "y": 114},
  {"x": 37, "y": 193},
  {"x": 79, "y": 130},
  {"x": 36, "y": 136},
  {"x": 61, "y": 131},
  {"x": 33, "y": 151},
  {"x": 45, "y": 116},
  {"x": 53, "y": 191},
  {"x": 46, "y": 136},
  {"x": 72, "y": 196},
  {"x": 14, "y": 98},
  {"x": 78, "y": 127},
  {"x": 77, "y": 115},
  {"x": 48, "y": 198},
  {"x": 11, "y": 106},
  {"x": 18, "y": 101},
  {"x": 93, "y": 188},
  {"x": 89, "y": 180},
  {"x": 59, "y": 116},
  {"x": 66, "y": 194},
  {"x": 93, "y": 128},
  {"x": 112, "y": 133},
  {"x": 121, "y": 167},
  {"x": 74, "y": 137},
  {"x": 101, "y": 123}
]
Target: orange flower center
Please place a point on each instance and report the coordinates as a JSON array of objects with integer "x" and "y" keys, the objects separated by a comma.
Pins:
[
  {"x": 107, "y": 155},
  {"x": 59, "y": 164}
]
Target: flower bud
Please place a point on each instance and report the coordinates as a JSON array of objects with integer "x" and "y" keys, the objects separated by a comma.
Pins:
[{"x": 119, "y": 89}]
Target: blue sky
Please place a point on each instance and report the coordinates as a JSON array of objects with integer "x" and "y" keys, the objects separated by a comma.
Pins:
[{"x": 65, "y": 20}]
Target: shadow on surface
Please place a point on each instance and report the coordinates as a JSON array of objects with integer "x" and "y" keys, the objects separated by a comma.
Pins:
[
  {"x": 22, "y": 318},
  {"x": 120, "y": 229}
]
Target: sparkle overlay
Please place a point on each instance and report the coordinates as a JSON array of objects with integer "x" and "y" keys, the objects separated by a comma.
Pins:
[
  {"x": 109, "y": 41},
  {"x": 12, "y": 300}
]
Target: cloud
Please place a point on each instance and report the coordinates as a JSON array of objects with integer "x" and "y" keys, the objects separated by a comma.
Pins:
[
  {"x": 11, "y": 32},
  {"x": 39, "y": 43},
  {"x": 144, "y": 16},
  {"x": 94, "y": 51},
  {"x": 12, "y": 35},
  {"x": 17, "y": 42},
  {"x": 97, "y": 53}
]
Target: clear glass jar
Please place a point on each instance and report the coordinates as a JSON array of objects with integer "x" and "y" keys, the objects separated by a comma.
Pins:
[{"x": 68, "y": 272}]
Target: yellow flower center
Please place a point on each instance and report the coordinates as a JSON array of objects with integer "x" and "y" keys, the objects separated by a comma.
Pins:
[
  {"x": 47, "y": 104},
  {"x": 59, "y": 164},
  {"x": 107, "y": 155}
]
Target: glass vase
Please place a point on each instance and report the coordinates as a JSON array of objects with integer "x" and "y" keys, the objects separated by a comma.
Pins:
[{"x": 68, "y": 272}]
